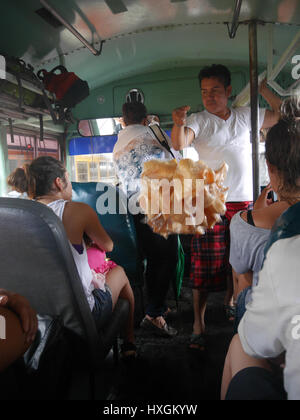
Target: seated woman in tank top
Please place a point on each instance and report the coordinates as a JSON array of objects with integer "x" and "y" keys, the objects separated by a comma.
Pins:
[
  {"x": 249, "y": 232},
  {"x": 46, "y": 181}
]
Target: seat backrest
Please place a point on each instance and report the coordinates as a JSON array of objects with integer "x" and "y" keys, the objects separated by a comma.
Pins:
[
  {"x": 111, "y": 206},
  {"x": 37, "y": 262}
]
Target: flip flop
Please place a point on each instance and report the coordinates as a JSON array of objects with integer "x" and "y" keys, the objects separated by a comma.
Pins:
[
  {"x": 197, "y": 342},
  {"x": 128, "y": 351}
]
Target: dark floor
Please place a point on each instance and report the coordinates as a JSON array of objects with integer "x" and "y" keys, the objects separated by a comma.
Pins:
[{"x": 167, "y": 370}]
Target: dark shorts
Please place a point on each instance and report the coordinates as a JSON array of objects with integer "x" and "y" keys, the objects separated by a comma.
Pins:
[
  {"x": 103, "y": 306},
  {"x": 210, "y": 266},
  {"x": 256, "y": 384}
]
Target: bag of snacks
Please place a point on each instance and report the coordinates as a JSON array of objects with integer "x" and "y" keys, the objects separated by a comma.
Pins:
[{"x": 182, "y": 198}]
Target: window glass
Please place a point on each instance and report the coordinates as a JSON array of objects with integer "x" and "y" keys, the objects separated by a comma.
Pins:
[
  {"x": 93, "y": 168},
  {"x": 23, "y": 149}
]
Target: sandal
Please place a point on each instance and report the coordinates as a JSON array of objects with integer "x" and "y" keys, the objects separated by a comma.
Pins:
[
  {"x": 197, "y": 342},
  {"x": 128, "y": 351},
  {"x": 230, "y": 312}
]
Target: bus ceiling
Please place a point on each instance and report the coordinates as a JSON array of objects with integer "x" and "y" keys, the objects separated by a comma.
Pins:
[
  {"x": 46, "y": 33},
  {"x": 193, "y": 32}
]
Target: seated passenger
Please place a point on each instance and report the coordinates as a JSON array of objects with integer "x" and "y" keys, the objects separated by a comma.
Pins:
[
  {"x": 246, "y": 255},
  {"x": 270, "y": 325},
  {"x": 18, "y": 327},
  {"x": 98, "y": 263},
  {"x": 46, "y": 181},
  {"x": 16, "y": 182}
]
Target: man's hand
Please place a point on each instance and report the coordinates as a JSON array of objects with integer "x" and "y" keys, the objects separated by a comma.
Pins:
[
  {"x": 179, "y": 115},
  {"x": 263, "y": 201},
  {"x": 22, "y": 308}
]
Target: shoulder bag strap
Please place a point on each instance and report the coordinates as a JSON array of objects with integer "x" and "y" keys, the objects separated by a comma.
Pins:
[{"x": 161, "y": 138}]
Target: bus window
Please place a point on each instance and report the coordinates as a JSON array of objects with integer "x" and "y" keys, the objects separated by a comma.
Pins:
[
  {"x": 100, "y": 127},
  {"x": 24, "y": 148},
  {"x": 93, "y": 168}
]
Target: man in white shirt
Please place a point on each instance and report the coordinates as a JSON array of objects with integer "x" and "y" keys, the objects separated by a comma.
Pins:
[{"x": 219, "y": 133}]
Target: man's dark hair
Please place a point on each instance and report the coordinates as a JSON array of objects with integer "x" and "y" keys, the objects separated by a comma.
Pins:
[
  {"x": 218, "y": 71},
  {"x": 134, "y": 112}
]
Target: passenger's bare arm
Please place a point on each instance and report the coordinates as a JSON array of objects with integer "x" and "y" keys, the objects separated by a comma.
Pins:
[
  {"x": 79, "y": 218},
  {"x": 96, "y": 232},
  {"x": 181, "y": 136},
  {"x": 271, "y": 116}
]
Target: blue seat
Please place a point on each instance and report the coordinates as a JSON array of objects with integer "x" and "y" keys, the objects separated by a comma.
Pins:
[{"x": 111, "y": 206}]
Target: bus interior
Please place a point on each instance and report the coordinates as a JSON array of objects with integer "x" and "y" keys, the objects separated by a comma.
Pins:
[{"x": 149, "y": 51}]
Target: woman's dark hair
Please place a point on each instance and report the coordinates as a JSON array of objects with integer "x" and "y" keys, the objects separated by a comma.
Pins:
[
  {"x": 36, "y": 178},
  {"x": 134, "y": 112},
  {"x": 218, "y": 71},
  {"x": 283, "y": 149}
]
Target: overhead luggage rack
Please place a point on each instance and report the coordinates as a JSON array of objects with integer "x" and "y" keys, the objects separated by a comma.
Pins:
[{"x": 24, "y": 102}]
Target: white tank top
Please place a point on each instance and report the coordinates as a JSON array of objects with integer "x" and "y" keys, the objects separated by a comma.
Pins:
[{"x": 81, "y": 260}]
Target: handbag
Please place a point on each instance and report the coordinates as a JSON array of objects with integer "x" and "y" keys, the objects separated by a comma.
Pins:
[{"x": 68, "y": 88}]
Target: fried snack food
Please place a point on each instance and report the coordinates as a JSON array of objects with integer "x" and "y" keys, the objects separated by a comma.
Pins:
[{"x": 172, "y": 195}]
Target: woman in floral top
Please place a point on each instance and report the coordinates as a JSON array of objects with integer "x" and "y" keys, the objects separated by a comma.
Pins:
[{"x": 137, "y": 144}]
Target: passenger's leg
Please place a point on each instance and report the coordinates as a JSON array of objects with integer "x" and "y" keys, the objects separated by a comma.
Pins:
[
  {"x": 14, "y": 345},
  {"x": 199, "y": 305},
  {"x": 161, "y": 255},
  {"x": 235, "y": 361},
  {"x": 119, "y": 285}
]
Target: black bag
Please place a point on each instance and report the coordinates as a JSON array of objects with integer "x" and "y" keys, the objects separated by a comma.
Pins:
[
  {"x": 46, "y": 362},
  {"x": 49, "y": 336}
]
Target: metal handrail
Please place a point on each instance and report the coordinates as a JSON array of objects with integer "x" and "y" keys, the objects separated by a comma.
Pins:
[
  {"x": 72, "y": 29},
  {"x": 235, "y": 19}
]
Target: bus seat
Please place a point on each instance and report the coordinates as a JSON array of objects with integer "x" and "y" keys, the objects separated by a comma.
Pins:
[
  {"x": 120, "y": 227},
  {"x": 36, "y": 262}
]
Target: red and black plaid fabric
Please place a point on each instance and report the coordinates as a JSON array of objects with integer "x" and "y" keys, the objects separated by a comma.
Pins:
[{"x": 210, "y": 254}]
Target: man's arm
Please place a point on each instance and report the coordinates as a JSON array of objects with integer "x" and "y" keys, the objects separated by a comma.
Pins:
[
  {"x": 181, "y": 136},
  {"x": 271, "y": 116}
]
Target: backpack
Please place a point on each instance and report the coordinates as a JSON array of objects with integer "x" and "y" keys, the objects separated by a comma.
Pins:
[{"x": 68, "y": 88}]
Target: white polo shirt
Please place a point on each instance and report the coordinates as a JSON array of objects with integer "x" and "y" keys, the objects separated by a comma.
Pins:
[{"x": 217, "y": 140}]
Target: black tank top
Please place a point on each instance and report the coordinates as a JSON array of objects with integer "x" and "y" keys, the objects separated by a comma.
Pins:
[{"x": 250, "y": 218}]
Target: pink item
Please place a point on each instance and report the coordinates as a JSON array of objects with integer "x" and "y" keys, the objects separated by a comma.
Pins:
[{"x": 100, "y": 267}]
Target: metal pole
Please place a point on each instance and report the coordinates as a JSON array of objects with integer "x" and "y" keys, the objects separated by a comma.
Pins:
[
  {"x": 71, "y": 28},
  {"x": 254, "y": 106}
]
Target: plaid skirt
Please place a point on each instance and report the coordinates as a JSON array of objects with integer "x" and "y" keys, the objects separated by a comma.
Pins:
[{"x": 210, "y": 266}]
